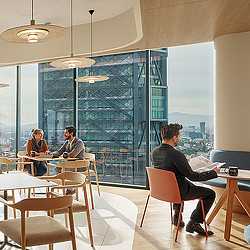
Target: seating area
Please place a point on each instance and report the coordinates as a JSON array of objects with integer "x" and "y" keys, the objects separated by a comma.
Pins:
[
  {"x": 109, "y": 113},
  {"x": 231, "y": 158}
]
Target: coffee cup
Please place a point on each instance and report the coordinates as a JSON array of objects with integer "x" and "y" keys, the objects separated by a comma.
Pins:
[
  {"x": 32, "y": 153},
  {"x": 65, "y": 155},
  {"x": 233, "y": 171}
]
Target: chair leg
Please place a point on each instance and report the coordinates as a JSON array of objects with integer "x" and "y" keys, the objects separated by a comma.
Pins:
[
  {"x": 171, "y": 213},
  {"x": 88, "y": 215},
  {"x": 77, "y": 194},
  {"x": 203, "y": 213},
  {"x": 14, "y": 210},
  {"x": 96, "y": 177},
  {"x": 179, "y": 220},
  {"x": 144, "y": 211},
  {"x": 50, "y": 246},
  {"x": 90, "y": 189},
  {"x": 66, "y": 221}
]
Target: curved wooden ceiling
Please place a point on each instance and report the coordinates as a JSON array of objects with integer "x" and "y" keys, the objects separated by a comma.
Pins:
[{"x": 167, "y": 23}]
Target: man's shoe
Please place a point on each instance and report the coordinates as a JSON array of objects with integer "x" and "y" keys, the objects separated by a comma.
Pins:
[
  {"x": 70, "y": 191},
  {"x": 193, "y": 226},
  {"x": 175, "y": 220}
]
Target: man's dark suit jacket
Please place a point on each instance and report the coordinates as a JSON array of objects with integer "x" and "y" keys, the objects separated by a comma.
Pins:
[{"x": 166, "y": 157}]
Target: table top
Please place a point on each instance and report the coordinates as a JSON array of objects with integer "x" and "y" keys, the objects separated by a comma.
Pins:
[
  {"x": 18, "y": 180},
  {"x": 242, "y": 175},
  {"x": 60, "y": 158}
]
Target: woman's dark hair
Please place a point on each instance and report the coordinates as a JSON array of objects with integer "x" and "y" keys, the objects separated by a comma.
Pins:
[
  {"x": 168, "y": 131},
  {"x": 71, "y": 130}
]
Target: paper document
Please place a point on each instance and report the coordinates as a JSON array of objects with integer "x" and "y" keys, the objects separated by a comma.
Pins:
[
  {"x": 45, "y": 156},
  {"x": 201, "y": 164}
]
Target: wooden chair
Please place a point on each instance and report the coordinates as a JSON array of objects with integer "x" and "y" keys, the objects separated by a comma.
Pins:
[
  {"x": 74, "y": 165},
  {"x": 39, "y": 230},
  {"x": 91, "y": 157},
  {"x": 164, "y": 187},
  {"x": 124, "y": 156},
  {"x": 19, "y": 166},
  {"x": 70, "y": 179}
]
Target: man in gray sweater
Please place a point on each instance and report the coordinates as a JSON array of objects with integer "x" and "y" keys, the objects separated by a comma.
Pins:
[
  {"x": 73, "y": 146},
  {"x": 75, "y": 149}
]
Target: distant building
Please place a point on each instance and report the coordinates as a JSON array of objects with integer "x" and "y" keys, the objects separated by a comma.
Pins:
[
  {"x": 203, "y": 127},
  {"x": 195, "y": 135}
]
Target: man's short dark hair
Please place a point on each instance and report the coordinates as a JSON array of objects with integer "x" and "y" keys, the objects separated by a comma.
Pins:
[
  {"x": 168, "y": 131},
  {"x": 71, "y": 130}
]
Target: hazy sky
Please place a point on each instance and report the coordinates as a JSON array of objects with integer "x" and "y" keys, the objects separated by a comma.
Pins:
[
  {"x": 29, "y": 95},
  {"x": 190, "y": 80}
]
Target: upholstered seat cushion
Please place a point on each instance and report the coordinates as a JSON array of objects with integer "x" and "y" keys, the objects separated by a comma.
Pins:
[
  {"x": 40, "y": 230},
  {"x": 244, "y": 185},
  {"x": 77, "y": 208}
]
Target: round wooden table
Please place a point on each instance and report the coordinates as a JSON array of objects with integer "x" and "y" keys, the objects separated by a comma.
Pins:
[{"x": 228, "y": 194}]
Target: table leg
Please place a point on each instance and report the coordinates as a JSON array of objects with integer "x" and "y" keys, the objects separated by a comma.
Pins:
[
  {"x": 242, "y": 201},
  {"x": 230, "y": 199},
  {"x": 218, "y": 206}
]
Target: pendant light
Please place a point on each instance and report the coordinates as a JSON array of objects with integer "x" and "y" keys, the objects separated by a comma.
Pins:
[
  {"x": 33, "y": 33},
  {"x": 3, "y": 85},
  {"x": 92, "y": 78},
  {"x": 72, "y": 62}
]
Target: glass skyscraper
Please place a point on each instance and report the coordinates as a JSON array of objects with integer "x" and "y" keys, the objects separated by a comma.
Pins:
[{"x": 111, "y": 115}]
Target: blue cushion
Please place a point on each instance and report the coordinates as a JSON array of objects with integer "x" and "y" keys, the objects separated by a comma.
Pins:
[
  {"x": 240, "y": 159},
  {"x": 247, "y": 234},
  {"x": 244, "y": 185}
]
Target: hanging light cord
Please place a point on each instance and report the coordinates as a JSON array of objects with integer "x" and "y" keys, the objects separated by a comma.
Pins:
[
  {"x": 32, "y": 9},
  {"x": 91, "y": 38},
  {"x": 71, "y": 29},
  {"x": 32, "y": 21}
]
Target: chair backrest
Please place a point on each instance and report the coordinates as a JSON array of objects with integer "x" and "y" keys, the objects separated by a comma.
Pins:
[
  {"x": 22, "y": 153},
  {"x": 71, "y": 176},
  {"x": 6, "y": 161},
  {"x": 89, "y": 156},
  {"x": 163, "y": 185},
  {"x": 74, "y": 164},
  {"x": 44, "y": 204}
]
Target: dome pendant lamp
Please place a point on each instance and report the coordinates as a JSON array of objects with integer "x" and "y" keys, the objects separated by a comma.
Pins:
[
  {"x": 33, "y": 33},
  {"x": 92, "y": 78},
  {"x": 72, "y": 62},
  {"x": 3, "y": 85}
]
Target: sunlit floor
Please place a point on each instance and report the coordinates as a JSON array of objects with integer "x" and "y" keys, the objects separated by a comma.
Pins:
[
  {"x": 158, "y": 233},
  {"x": 115, "y": 218},
  {"x": 113, "y": 223}
]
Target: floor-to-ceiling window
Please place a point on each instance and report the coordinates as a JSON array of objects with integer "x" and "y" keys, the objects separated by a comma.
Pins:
[
  {"x": 191, "y": 96},
  {"x": 29, "y": 103},
  {"x": 8, "y": 112}
]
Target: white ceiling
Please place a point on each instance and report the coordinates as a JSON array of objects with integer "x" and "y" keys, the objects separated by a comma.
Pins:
[{"x": 18, "y": 12}]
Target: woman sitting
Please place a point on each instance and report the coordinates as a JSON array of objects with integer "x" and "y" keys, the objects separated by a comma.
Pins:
[{"x": 39, "y": 145}]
